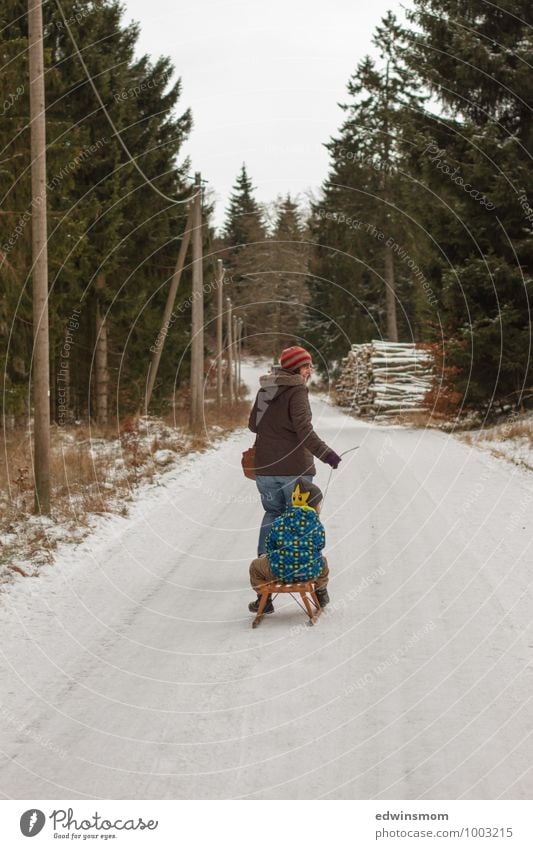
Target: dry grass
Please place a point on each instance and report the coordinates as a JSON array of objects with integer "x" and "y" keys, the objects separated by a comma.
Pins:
[
  {"x": 418, "y": 419},
  {"x": 232, "y": 416},
  {"x": 519, "y": 430},
  {"x": 93, "y": 471},
  {"x": 511, "y": 440},
  {"x": 516, "y": 430}
]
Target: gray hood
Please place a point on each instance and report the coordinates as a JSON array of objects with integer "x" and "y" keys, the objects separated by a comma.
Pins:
[
  {"x": 280, "y": 378},
  {"x": 275, "y": 384}
]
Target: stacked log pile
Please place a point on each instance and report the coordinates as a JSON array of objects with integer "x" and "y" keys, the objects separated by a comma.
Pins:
[
  {"x": 354, "y": 386},
  {"x": 385, "y": 378}
]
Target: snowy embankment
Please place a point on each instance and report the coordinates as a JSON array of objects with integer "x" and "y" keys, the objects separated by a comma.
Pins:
[
  {"x": 130, "y": 668},
  {"x": 94, "y": 473},
  {"x": 512, "y": 440}
]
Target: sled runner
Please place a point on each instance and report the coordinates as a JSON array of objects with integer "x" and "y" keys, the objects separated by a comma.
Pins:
[{"x": 306, "y": 591}]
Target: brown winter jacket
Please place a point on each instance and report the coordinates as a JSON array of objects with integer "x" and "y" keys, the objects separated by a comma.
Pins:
[{"x": 281, "y": 418}]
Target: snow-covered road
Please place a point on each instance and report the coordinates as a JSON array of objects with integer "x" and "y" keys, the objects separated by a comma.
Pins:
[{"x": 130, "y": 668}]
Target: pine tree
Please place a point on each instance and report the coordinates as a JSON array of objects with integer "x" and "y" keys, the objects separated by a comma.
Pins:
[
  {"x": 113, "y": 239},
  {"x": 357, "y": 284},
  {"x": 133, "y": 239},
  {"x": 273, "y": 293},
  {"x": 151, "y": 232},
  {"x": 15, "y": 217},
  {"x": 101, "y": 181},
  {"x": 245, "y": 255},
  {"x": 244, "y": 220},
  {"x": 64, "y": 143},
  {"x": 474, "y": 160},
  {"x": 290, "y": 255}
]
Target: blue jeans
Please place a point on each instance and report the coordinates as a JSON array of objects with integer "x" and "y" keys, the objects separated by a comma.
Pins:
[{"x": 276, "y": 497}]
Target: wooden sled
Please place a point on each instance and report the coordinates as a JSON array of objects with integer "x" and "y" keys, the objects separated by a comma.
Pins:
[{"x": 306, "y": 590}]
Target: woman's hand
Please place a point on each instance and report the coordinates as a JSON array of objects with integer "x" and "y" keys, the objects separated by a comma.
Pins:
[{"x": 332, "y": 459}]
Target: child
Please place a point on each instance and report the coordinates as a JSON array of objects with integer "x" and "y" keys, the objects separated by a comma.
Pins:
[{"x": 294, "y": 547}]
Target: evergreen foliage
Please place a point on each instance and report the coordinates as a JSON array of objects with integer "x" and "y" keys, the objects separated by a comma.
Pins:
[
  {"x": 478, "y": 156},
  {"x": 423, "y": 228},
  {"x": 244, "y": 219},
  {"x": 268, "y": 268},
  {"x": 359, "y": 289},
  {"x": 113, "y": 240},
  {"x": 450, "y": 185}
]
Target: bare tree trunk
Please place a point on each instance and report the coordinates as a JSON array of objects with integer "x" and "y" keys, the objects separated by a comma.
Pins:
[
  {"x": 276, "y": 324},
  {"x": 41, "y": 373},
  {"x": 230, "y": 349},
  {"x": 167, "y": 315},
  {"x": 220, "y": 308},
  {"x": 64, "y": 379},
  {"x": 197, "y": 330},
  {"x": 53, "y": 381},
  {"x": 390, "y": 283},
  {"x": 101, "y": 370},
  {"x": 239, "y": 375}
]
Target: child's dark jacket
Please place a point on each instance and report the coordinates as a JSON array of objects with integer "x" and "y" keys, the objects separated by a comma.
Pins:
[{"x": 294, "y": 545}]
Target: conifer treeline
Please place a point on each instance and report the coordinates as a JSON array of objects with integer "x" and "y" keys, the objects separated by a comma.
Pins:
[
  {"x": 429, "y": 198},
  {"x": 423, "y": 227},
  {"x": 266, "y": 254},
  {"x": 113, "y": 239},
  {"x": 422, "y": 230}
]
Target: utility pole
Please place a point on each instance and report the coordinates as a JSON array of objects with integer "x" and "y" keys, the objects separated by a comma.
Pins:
[
  {"x": 41, "y": 367},
  {"x": 241, "y": 325},
  {"x": 230, "y": 350},
  {"x": 100, "y": 356},
  {"x": 390, "y": 296},
  {"x": 220, "y": 307},
  {"x": 197, "y": 341},
  {"x": 236, "y": 356},
  {"x": 169, "y": 306}
]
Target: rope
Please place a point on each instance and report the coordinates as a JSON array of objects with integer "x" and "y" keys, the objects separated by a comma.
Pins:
[{"x": 331, "y": 472}]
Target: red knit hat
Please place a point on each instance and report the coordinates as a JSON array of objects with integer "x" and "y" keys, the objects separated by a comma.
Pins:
[{"x": 292, "y": 358}]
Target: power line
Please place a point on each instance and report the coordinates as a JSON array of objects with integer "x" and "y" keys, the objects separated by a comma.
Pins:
[{"x": 108, "y": 116}]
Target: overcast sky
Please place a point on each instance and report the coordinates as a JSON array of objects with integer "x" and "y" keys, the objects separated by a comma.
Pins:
[{"x": 263, "y": 80}]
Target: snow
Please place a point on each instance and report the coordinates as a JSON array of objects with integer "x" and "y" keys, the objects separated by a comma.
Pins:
[
  {"x": 164, "y": 457},
  {"x": 511, "y": 441},
  {"x": 130, "y": 668},
  {"x": 519, "y": 451},
  {"x": 115, "y": 478}
]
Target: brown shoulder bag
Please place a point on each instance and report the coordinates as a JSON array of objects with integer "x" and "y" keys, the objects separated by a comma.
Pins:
[{"x": 248, "y": 463}]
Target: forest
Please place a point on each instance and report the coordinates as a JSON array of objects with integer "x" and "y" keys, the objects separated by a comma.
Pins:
[{"x": 421, "y": 230}]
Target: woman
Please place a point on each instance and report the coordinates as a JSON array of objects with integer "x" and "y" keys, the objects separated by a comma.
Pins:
[{"x": 286, "y": 442}]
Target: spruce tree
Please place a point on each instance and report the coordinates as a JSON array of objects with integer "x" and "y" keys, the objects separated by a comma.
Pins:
[
  {"x": 132, "y": 237},
  {"x": 274, "y": 290},
  {"x": 113, "y": 238},
  {"x": 290, "y": 258},
  {"x": 65, "y": 143},
  {"x": 244, "y": 220},
  {"x": 358, "y": 289},
  {"x": 245, "y": 256},
  {"x": 474, "y": 159}
]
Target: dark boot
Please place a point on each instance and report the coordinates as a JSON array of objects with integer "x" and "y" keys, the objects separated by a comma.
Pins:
[
  {"x": 323, "y": 597},
  {"x": 253, "y": 607}
]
